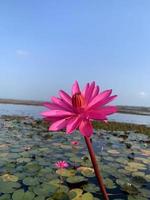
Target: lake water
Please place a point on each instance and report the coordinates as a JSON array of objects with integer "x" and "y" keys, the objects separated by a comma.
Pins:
[{"x": 34, "y": 111}]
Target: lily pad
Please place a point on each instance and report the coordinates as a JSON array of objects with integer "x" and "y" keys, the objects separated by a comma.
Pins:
[
  {"x": 128, "y": 187},
  {"x": 76, "y": 179},
  {"x": 45, "y": 190},
  {"x": 5, "y": 197},
  {"x": 75, "y": 194},
  {"x": 20, "y": 194},
  {"x": 86, "y": 171},
  {"x": 75, "y": 159},
  {"x": 87, "y": 196},
  {"x": 66, "y": 172},
  {"x": 8, "y": 187},
  {"x": 60, "y": 196},
  {"x": 109, "y": 183},
  {"x": 90, "y": 187},
  {"x": 9, "y": 177},
  {"x": 30, "y": 181}
]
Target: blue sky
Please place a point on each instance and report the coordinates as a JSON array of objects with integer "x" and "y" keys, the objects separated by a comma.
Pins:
[{"x": 46, "y": 45}]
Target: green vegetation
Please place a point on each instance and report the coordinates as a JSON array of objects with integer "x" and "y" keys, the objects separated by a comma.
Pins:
[{"x": 118, "y": 126}]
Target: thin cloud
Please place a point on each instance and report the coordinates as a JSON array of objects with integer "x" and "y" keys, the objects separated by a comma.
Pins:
[
  {"x": 23, "y": 53},
  {"x": 143, "y": 94}
]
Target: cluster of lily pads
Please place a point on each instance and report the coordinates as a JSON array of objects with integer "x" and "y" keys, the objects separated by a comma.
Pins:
[{"x": 28, "y": 153}]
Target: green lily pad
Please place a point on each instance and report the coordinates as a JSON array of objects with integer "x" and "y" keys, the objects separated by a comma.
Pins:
[
  {"x": 136, "y": 197},
  {"x": 87, "y": 196},
  {"x": 30, "y": 181},
  {"x": 134, "y": 166},
  {"x": 8, "y": 187},
  {"x": 9, "y": 177},
  {"x": 76, "y": 179},
  {"x": 45, "y": 190},
  {"x": 147, "y": 177},
  {"x": 90, "y": 187},
  {"x": 32, "y": 167},
  {"x": 75, "y": 159},
  {"x": 39, "y": 198},
  {"x": 65, "y": 172},
  {"x": 109, "y": 183},
  {"x": 75, "y": 194},
  {"x": 86, "y": 171},
  {"x": 20, "y": 194},
  {"x": 5, "y": 197},
  {"x": 128, "y": 187},
  {"x": 62, "y": 188},
  {"x": 145, "y": 192},
  {"x": 60, "y": 196},
  {"x": 23, "y": 160}
]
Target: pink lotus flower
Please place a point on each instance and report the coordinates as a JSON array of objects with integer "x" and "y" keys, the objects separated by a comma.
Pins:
[
  {"x": 79, "y": 109},
  {"x": 61, "y": 164},
  {"x": 74, "y": 142}
]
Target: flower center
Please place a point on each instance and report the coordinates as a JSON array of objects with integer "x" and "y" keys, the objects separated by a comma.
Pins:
[{"x": 78, "y": 100}]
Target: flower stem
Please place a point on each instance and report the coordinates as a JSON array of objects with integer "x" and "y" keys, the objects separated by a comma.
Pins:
[{"x": 96, "y": 168}]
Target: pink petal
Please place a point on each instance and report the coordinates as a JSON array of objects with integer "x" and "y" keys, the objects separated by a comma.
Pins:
[
  {"x": 61, "y": 103},
  {"x": 85, "y": 89},
  {"x": 97, "y": 115},
  {"x": 75, "y": 88},
  {"x": 65, "y": 97},
  {"x": 95, "y": 92},
  {"x": 57, "y": 113},
  {"x": 101, "y": 113},
  {"x": 108, "y": 99},
  {"x": 86, "y": 128},
  {"x": 89, "y": 92},
  {"x": 51, "y": 105},
  {"x": 98, "y": 99},
  {"x": 58, "y": 125},
  {"x": 108, "y": 110},
  {"x": 73, "y": 124}
]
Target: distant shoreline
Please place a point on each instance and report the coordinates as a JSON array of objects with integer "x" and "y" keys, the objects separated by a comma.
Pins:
[{"x": 137, "y": 110}]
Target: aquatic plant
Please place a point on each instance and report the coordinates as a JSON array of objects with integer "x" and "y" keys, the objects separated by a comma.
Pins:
[
  {"x": 61, "y": 164},
  {"x": 77, "y": 112},
  {"x": 75, "y": 142}
]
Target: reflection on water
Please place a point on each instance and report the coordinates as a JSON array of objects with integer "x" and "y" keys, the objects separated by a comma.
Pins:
[{"x": 34, "y": 111}]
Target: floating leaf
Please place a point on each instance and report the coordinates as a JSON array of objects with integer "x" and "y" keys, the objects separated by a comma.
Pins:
[
  {"x": 32, "y": 167},
  {"x": 134, "y": 166},
  {"x": 45, "y": 190},
  {"x": 8, "y": 187},
  {"x": 109, "y": 183},
  {"x": 75, "y": 159},
  {"x": 147, "y": 177},
  {"x": 136, "y": 197},
  {"x": 145, "y": 152},
  {"x": 113, "y": 151},
  {"x": 9, "y": 177},
  {"x": 30, "y": 181},
  {"x": 66, "y": 172},
  {"x": 86, "y": 171},
  {"x": 39, "y": 198},
  {"x": 87, "y": 196},
  {"x": 128, "y": 187},
  {"x": 90, "y": 187},
  {"x": 60, "y": 196},
  {"x": 23, "y": 160},
  {"x": 75, "y": 194},
  {"x": 5, "y": 197},
  {"x": 20, "y": 194},
  {"x": 76, "y": 179}
]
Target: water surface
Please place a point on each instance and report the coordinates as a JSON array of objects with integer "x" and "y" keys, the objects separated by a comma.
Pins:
[{"x": 34, "y": 111}]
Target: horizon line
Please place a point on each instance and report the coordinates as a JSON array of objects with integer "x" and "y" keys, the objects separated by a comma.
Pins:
[{"x": 138, "y": 110}]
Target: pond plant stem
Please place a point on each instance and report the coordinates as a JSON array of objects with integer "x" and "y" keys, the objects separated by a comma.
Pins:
[{"x": 96, "y": 168}]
